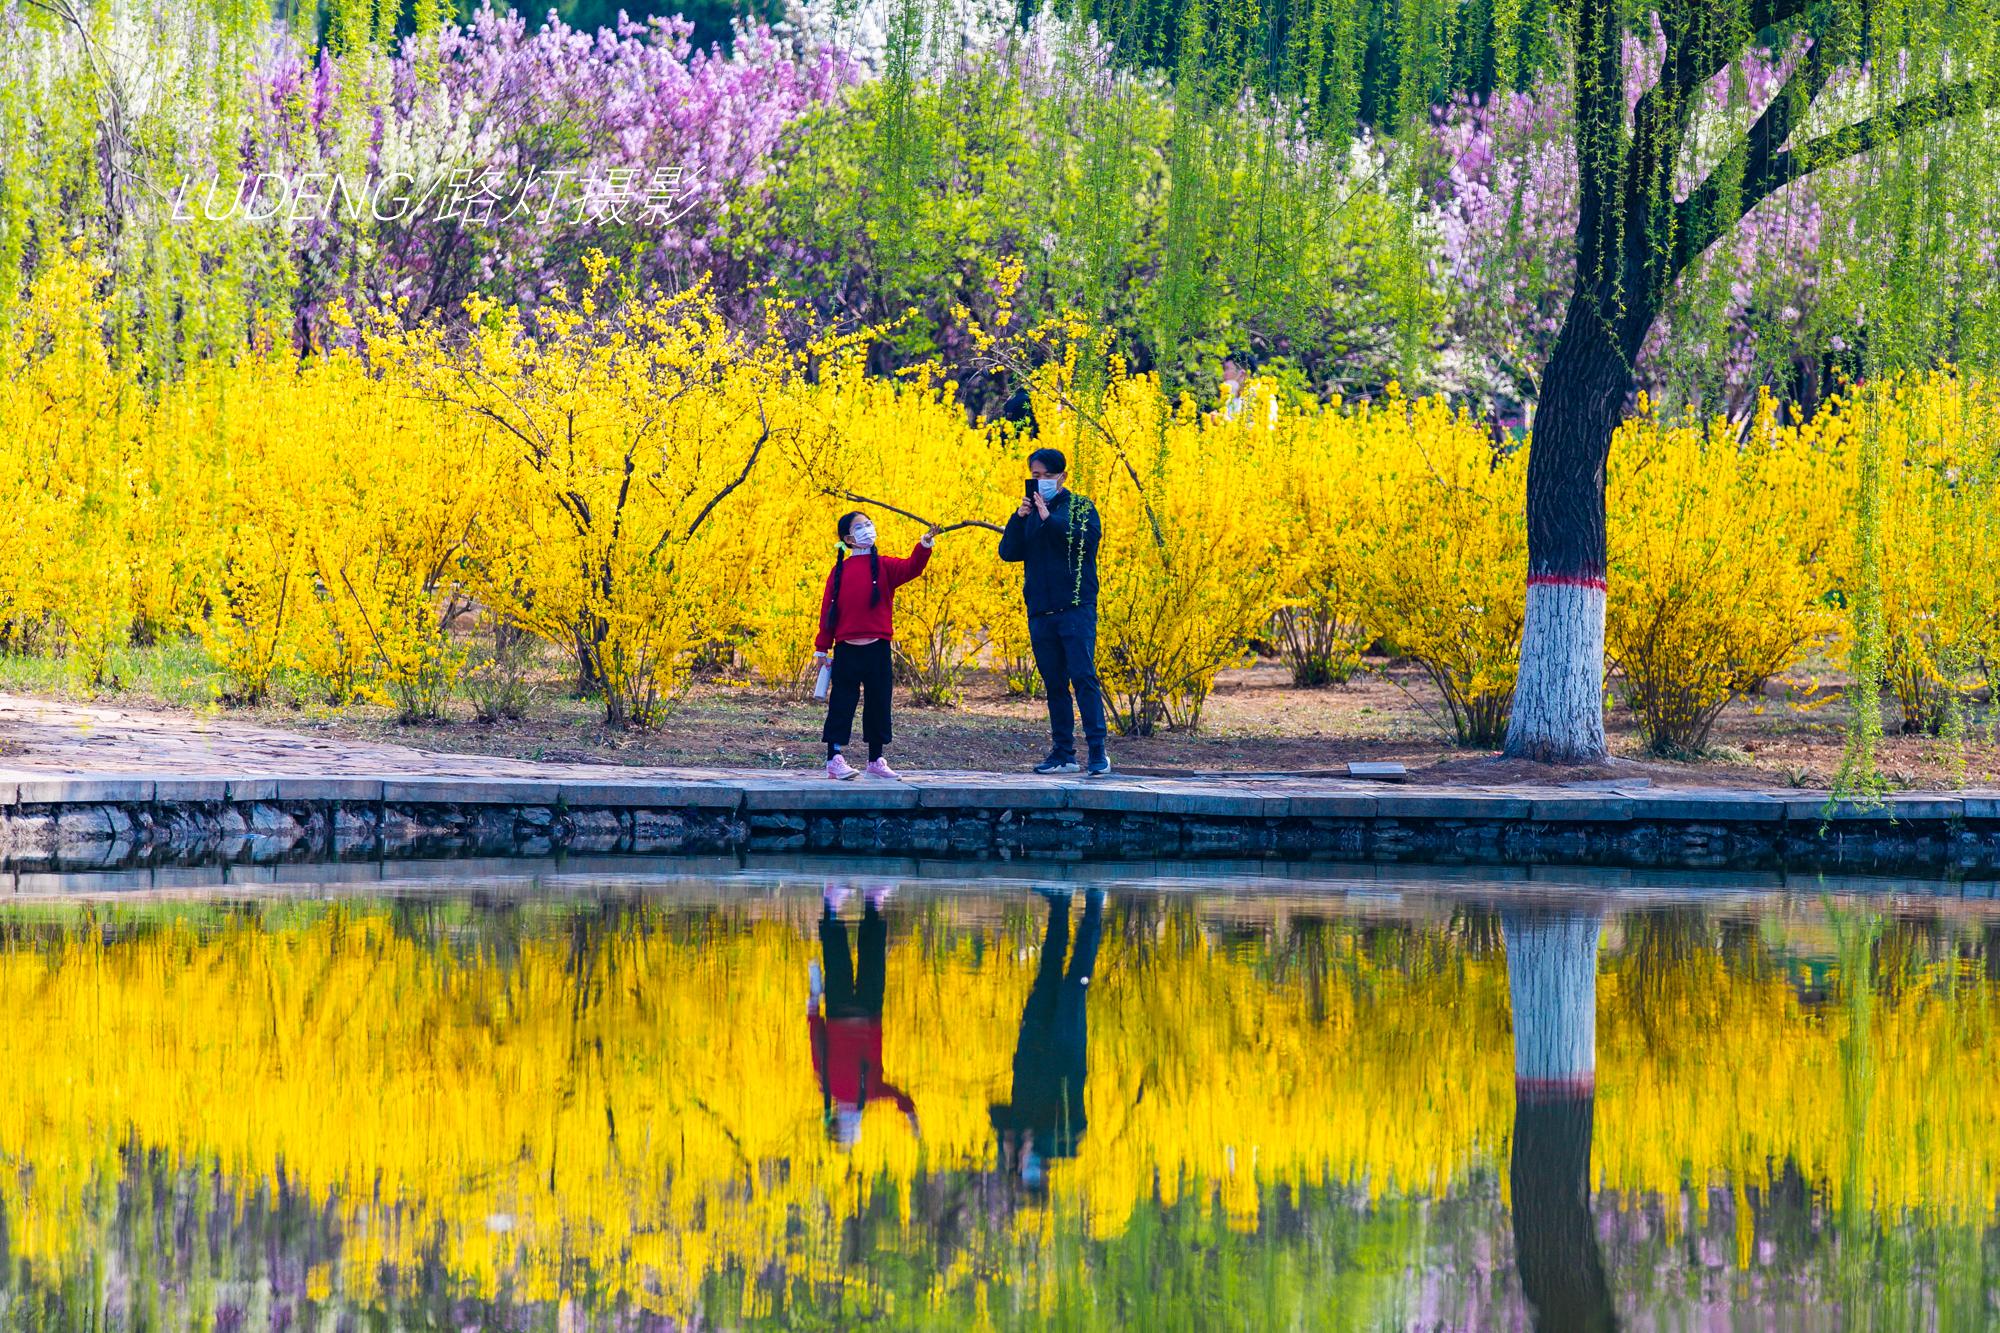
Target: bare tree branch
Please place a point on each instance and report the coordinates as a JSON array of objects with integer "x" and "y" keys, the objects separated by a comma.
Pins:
[
  {"x": 724, "y": 493},
  {"x": 942, "y": 528}
]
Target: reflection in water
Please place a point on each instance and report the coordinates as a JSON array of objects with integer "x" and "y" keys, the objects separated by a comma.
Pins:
[
  {"x": 1046, "y": 1116},
  {"x": 597, "y": 1112},
  {"x": 845, "y": 1018},
  {"x": 1552, "y": 979}
]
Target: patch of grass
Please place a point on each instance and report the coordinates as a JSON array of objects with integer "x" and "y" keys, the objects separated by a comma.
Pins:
[{"x": 171, "y": 671}]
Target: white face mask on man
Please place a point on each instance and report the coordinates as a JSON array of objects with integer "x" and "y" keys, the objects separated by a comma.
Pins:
[
  {"x": 1048, "y": 486},
  {"x": 861, "y": 536}
]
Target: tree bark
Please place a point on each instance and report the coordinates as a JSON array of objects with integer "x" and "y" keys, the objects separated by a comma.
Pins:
[
  {"x": 1558, "y": 712},
  {"x": 1552, "y": 979}
]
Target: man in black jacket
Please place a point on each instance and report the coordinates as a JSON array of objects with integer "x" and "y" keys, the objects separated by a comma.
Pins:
[{"x": 1053, "y": 536}]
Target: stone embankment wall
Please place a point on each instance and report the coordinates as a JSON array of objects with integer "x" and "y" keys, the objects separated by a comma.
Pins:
[{"x": 88, "y": 823}]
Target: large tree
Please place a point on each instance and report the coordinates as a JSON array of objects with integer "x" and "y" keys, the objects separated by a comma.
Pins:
[
  {"x": 1889, "y": 102},
  {"x": 1870, "y": 81}
]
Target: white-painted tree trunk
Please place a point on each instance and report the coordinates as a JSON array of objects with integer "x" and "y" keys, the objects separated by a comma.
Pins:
[
  {"x": 1552, "y": 979},
  {"x": 1558, "y": 715}
]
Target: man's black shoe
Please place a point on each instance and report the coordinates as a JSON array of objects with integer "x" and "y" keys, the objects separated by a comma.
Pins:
[
  {"x": 1099, "y": 766},
  {"x": 1057, "y": 762}
]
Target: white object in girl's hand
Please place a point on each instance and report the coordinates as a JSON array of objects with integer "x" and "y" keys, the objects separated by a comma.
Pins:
[{"x": 825, "y": 682}]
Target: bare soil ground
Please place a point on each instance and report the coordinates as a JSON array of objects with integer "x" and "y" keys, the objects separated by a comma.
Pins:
[{"x": 1256, "y": 721}]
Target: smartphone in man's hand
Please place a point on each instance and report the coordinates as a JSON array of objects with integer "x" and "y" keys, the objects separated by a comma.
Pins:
[{"x": 1028, "y": 490}]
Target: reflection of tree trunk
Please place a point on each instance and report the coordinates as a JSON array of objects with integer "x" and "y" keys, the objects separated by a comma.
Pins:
[{"x": 1552, "y": 977}]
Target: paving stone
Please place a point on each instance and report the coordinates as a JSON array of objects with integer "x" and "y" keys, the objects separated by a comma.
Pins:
[
  {"x": 858, "y": 794},
  {"x": 328, "y": 789},
  {"x": 1333, "y": 805},
  {"x": 1818, "y": 809},
  {"x": 653, "y": 795},
  {"x": 1719, "y": 807},
  {"x": 992, "y": 796},
  {"x": 1101, "y": 795},
  {"x": 1581, "y": 808},
  {"x": 253, "y": 789},
  {"x": 1222, "y": 804},
  {"x": 467, "y": 791},
  {"x": 84, "y": 790},
  {"x": 190, "y": 790},
  {"x": 1451, "y": 805}
]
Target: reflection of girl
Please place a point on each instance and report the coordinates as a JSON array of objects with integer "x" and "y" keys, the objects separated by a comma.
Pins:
[
  {"x": 844, "y": 1018},
  {"x": 856, "y": 623}
]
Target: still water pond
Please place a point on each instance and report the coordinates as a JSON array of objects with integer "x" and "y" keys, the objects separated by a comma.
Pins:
[{"x": 826, "y": 1103}]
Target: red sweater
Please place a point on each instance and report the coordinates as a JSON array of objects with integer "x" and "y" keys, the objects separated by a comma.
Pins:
[
  {"x": 858, "y": 620},
  {"x": 847, "y": 1056}
]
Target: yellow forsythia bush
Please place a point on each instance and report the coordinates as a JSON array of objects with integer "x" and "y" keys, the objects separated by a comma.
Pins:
[
  {"x": 1940, "y": 440},
  {"x": 73, "y": 432},
  {"x": 909, "y": 445},
  {"x": 1441, "y": 555},
  {"x": 1184, "y": 569},
  {"x": 622, "y": 426},
  {"x": 1719, "y": 566},
  {"x": 642, "y": 487}
]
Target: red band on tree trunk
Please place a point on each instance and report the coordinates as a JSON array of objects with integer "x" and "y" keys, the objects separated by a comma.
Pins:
[
  {"x": 1544, "y": 1090},
  {"x": 1566, "y": 581}
]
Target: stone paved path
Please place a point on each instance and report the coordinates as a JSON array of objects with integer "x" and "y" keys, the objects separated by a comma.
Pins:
[
  {"x": 43, "y": 736},
  {"x": 42, "y": 739}
]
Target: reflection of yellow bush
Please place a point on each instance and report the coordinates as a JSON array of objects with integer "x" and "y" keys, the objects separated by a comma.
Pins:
[
  {"x": 646, "y": 1106},
  {"x": 656, "y": 1116}
]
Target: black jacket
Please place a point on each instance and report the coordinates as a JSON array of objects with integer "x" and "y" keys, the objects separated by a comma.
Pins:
[{"x": 1058, "y": 554}]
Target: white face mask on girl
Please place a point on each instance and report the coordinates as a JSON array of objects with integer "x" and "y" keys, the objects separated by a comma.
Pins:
[{"x": 861, "y": 536}]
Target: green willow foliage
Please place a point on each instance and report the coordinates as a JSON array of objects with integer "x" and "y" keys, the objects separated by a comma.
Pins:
[
  {"x": 1197, "y": 234},
  {"x": 1352, "y": 64},
  {"x": 103, "y": 107}
]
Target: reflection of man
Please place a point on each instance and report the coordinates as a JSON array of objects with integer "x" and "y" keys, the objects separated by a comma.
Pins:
[
  {"x": 1552, "y": 981},
  {"x": 844, "y": 1018},
  {"x": 1044, "y": 1120}
]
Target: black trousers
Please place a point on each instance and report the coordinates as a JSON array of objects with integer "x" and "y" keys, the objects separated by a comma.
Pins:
[
  {"x": 861, "y": 673},
  {"x": 1065, "y": 647},
  {"x": 852, "y": 993}
]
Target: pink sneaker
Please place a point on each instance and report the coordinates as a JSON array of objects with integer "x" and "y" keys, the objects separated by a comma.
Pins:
[
  {"x": 879, "y": 768},
  {"x": 839, "y": 769}
]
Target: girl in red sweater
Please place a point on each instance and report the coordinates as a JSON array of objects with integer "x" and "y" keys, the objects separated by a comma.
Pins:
[{"x": 856, "y": 623}]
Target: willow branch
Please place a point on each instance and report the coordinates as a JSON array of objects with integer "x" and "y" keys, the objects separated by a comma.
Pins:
[
  {"x": 1709, "y": 214},
  {"x": 942, "y": 528}
]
